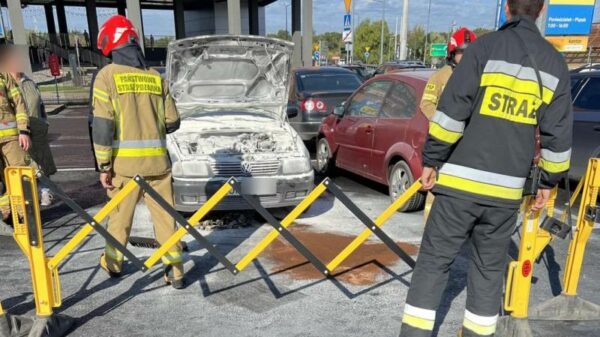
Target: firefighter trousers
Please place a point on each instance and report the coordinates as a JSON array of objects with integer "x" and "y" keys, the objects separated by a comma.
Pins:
[
  {"x": 121, "y": 219},
  {"x": 12, "y": 155},
  {"x": 451, "y": 223}
]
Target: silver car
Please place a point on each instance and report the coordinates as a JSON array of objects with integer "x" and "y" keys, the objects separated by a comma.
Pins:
[{"x": 232, "y": 94}]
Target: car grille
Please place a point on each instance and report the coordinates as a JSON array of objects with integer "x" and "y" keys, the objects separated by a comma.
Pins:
[{"x": 245, "y": 169}]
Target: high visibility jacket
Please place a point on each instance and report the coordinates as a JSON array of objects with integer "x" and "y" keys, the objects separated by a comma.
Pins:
[
  {"x": 133, "y": 112},
  {"x": 13, "y": 112},
  {"x": 482, "y": 137},
  {"x": 433, "y": 90}
]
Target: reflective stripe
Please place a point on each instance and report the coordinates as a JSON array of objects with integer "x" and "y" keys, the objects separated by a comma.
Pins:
[
  {"x": 482, "y": 176},
  {"x": 9, "y": 125},
  {"x": 4, "y": 200},
  {"x": 516, "y": 85},
  {"x": 171, "y": 258},
  {"x": 142, "y": 152},
  {"x": 104, "y": 154},
  {"x": 22, "y": 117},
  {"x": 113, "y": 253},
  {"x": 474, "y": 187},
  {"x": 101, "y": 95},
  {"x": 132, "y": 144},
  {"x": 439, "y": 133},
  {"x": 448, "y": 122},
  {"x": 481, "y": 325},
  {"x": 554, "y": 167},
  {"x": 521, "y": 72},
  {"x": 9, "y": 132},
  {"x": 556, "y": 157},
  {"x": 14, "y": 92},
  {"x": 418, "y": 317}
]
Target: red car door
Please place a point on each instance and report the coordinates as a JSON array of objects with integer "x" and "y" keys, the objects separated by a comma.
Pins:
[
  {"x": 354, "y": 132},
  {"x": 392, "y": 126}
]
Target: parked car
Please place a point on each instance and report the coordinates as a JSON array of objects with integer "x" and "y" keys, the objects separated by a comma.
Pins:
[
  {"x": 585, "y": 91},
  {"x": 363, "y": 72},
  {"x": 379, "y": 133},
  {"x": 231, "y": 92},
  {"x": 314, "y": 93},
  {"x": 397, "y": 66}
]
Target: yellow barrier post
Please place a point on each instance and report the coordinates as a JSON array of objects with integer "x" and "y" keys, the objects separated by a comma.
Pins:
[
  {"x": 22, "y": 190},
  {"x": 568, "y": 306}
]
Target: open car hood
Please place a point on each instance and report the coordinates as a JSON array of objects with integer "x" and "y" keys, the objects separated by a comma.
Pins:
[{"x": 222, "y": 72}]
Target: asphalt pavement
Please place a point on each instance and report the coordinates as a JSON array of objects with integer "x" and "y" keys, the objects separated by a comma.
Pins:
[{"x": 280, "y": 293}]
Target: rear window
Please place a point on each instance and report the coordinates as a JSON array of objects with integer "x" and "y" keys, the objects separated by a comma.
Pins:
[
  {"x": 589, "y": 97},
  {"x": 329, "y": 82}
]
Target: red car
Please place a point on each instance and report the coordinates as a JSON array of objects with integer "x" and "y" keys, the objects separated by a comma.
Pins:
[{"x": 379, "y": 133}]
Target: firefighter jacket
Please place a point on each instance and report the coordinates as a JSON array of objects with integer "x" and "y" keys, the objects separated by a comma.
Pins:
[
  {"x": 433, "y": 90},
  {"x": 133, "y": 112},
  {"x": 482, "y": 137},
  {"x": 13, "y": 119}
]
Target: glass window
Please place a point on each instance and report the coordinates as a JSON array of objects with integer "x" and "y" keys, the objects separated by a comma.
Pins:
[
  {"x": 367, "y": 102},
  {"x": 329, "y": 82},
  {"x": 589, "y": 97},
  {"x": 401, "y": 102},
  {"x": 575, "y": 86}
]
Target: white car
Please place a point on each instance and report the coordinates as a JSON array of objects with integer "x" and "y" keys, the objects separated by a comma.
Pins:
[{"x": 231, "y": 92}]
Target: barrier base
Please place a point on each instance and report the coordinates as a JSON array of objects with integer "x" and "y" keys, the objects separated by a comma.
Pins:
[
  {"x": 566, "y": 308},
  {"x": 21, "y": 326},
  {"x": 509, "y": 326},
  {"x": 5, "y": 229}
]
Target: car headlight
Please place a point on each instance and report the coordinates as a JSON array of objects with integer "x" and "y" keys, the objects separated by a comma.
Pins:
[
  {"x": 296, "y": 165},
  {"x": 195, "y": 169}
]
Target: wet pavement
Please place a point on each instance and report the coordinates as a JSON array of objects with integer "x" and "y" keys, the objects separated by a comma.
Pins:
[{"x": 279, "y": 294}]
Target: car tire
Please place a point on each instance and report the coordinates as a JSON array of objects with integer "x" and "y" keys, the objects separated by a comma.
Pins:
[
  {"x": 325, "y": 165},
  {"x": 399, "y": 180}
]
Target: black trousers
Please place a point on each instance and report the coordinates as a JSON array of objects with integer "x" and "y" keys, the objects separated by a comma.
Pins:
[{"x": 451, "y": 222}]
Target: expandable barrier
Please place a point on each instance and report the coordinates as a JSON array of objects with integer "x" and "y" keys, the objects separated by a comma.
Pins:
[
  {"x": 22, "y": 189},
  {"x": 534, "y": 240}
]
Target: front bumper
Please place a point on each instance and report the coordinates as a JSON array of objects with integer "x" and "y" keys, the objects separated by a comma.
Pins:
[{"x": 285, "y": 191}]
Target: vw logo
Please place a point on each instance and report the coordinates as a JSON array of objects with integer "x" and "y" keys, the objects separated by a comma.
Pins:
[{"x": 246, "y": 168}]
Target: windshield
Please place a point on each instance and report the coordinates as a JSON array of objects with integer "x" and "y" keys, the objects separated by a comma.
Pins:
[
  {"x": 329, "y": 82},
  {"x": 589, "y": 97}
]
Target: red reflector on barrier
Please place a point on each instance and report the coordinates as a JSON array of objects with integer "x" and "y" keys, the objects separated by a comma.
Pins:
[{"x": 526, "y": 269}]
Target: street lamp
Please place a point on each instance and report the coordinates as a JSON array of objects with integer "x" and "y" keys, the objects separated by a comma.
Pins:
[
  {"x": 286, "y": 5},
  {"x": 427, "y": 32},
  {"x": 382, "y": 22}
]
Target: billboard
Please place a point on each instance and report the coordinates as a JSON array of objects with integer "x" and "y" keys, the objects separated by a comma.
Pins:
[{"x": 572, "y": 17}]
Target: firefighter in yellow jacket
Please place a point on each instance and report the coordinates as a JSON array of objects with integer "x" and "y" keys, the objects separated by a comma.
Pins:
[
  {"x": 14, "y": 125},
  {"x": 437, "y": 82},
  {"x": 133, "y": 112}
]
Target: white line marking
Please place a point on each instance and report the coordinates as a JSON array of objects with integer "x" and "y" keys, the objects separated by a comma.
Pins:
[{"x": 77, "y": 169}]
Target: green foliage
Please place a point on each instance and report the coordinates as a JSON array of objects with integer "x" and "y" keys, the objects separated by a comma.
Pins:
[
  {"x": 281, "y": 34},
  {"x": 334, "y": 43},
  {"x": 368, "y": 37}
]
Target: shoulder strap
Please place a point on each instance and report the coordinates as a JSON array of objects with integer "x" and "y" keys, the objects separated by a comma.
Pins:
[{"x": 535, "y": 68}]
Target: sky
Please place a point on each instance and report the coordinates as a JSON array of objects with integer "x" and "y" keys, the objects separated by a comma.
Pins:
[{"x": 471, "y": 13}]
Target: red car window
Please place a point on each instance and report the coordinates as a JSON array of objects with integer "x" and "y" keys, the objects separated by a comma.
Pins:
[
  {"x": 368, "y": 100},
  {"x": 401, "y": 102}
]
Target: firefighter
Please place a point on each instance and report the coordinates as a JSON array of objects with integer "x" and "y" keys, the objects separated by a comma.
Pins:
[
  {"x": 15, "y": 138},
  {"x": 437, "y": 82},
  {"x": 133, "y": 112},
  {"x": 478, "y": 154},
  {"x": 39, "y": 154}
]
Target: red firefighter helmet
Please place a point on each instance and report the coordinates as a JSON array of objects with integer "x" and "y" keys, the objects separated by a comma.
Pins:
[
  {"x": 115, "y": 33},
  {"x": 460, "y": 40}
]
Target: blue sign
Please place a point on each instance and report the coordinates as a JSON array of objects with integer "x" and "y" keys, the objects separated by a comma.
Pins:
[
  {"x": 569, "y": 20},
  {"x": 2, "y": 35},
  {"x": 501, "y": 15},
  {"x": 316, "y": 56},
  {"x": 347, "y": 21}
]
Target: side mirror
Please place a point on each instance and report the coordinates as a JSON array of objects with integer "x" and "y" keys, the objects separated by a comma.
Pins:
[
  {"x": 292, "y": 111},
  {"x": 339, "y": 110}
]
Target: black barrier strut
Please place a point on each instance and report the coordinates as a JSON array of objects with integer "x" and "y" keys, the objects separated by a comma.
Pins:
[
  {"x": 186, "y": 225},
  {"x": 30, "y": 217},
  {"x": 254, "y": 203},
  {"x": 341, "y": 196},
  {"x": 90, "y": 220}
]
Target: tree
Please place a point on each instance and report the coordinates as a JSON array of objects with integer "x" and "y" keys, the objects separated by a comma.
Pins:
[
  {"x": 481, "y": 31},
  {"x": 333, "y": 40},
  {"x": 416, "y": 43},
  {"x": 368, "y": 38},
  {"x": 281, "y": 34}
]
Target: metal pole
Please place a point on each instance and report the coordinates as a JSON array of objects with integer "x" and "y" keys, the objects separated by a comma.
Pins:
[
  {"x": 382, "y": 40},
  {"x": 351, "y": 57},
  {"x": 499, "y": 10},
  {"x": 396, "y": 40},
  {"x": 287, "y": 32},
  {"x": 427, "y": 32},
  {"x": 404, "y": 31}
]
